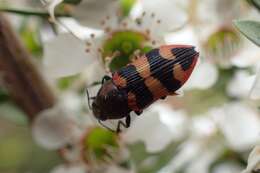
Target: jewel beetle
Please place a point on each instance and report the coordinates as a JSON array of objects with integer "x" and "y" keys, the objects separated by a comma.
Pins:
[{"x": 152, "y": 76}]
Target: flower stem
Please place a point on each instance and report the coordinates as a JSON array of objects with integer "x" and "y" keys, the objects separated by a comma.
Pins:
[{"x": 42, "y": 14}]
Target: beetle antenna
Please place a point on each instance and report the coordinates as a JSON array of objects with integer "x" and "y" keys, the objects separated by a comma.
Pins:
[
  {"x": 100, "y": 122},
  {"x": 90, "y": 107}
]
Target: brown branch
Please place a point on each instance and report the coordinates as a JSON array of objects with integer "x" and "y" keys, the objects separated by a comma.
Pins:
[{"x": 21, "y": 78}]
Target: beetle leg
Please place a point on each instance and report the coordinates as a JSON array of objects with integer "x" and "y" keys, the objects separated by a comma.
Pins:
[
  {"x": 163, "y": 97},
  {"x": 89, "y": 105},
  {"x": 138, "y": 112},
  {"x": 126, "y": 124},
  {"x": 108, "y": 128},
  {"x": 105, "y": 78}
]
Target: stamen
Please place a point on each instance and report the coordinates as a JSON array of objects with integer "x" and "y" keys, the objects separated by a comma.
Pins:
[
  {"x": 148, "y": 31},
  {"x": 138, "y": 21},
  {"x": 92, "y": 46},
  {"x": 151, "y": 25},
  {"x": 100, "y": 50},
  {"x": 103, "y": 22},
  {"x": 107, "y": 29},
  {"x": 88, "y": 44},
  {"x": 124, "y": 24},
  {"x": 92, "y": 35}
]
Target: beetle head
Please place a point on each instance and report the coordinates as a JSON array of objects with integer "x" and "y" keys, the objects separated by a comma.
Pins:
[{"x": 110, "y": 102}]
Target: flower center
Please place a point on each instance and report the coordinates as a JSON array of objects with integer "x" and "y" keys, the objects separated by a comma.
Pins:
[
  {"x": 222, "y": 44},
  {"x": 122, "y": 45},
  {"x": 127, "y": 47},
  {"x": 100, "y": 144}
]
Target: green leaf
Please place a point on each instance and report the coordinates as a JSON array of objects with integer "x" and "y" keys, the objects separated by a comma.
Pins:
[
  {"x": 72, "y": 1},
  {"x": 251, "y": 29}
]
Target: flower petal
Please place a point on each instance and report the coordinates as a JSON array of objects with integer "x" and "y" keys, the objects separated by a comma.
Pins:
[
  {"x": 204, "y": 76},
  {"x": 91, "y": 12},
  {"x": 202, "y": 163},
  {"x": 203, "y": 126},
  {"x": 184, "y": 36},
  {"x": 240, "y": 85},
  {"x": 240, "y": 125},
  {"x": 248, "y": 56},
  {"x": 188, "y": 151},
  {"x": 73, "y": 26},
  {"x": 65, "y": 55},
  {"x": 94, "y": 73},
  {"x": 228, "y": 167},
  {"x": 77, "y": 168},
  {"x": 157, "y": 120},
  {"x": 54, "y": 128},
  {"x": 164, "y": 12}
]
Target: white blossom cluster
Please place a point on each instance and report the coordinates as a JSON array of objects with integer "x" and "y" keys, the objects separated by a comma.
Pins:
[{"x": 217, "y": 114}]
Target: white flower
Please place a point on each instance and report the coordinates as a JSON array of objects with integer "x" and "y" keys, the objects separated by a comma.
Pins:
[
  {"x": 88, "y": 12},
  {"x": 57, "y": 126},
  {"x": 204, "y": 76},
  {"x": 186, "y": 35},
  {"x": 200, "y": 150},
  {"x": 171, "y": 13},
  {"x": 65, "y": 55},
  {"x": 227, "y": 167},
  {"x": 157, "y": 120},
  {"x": 92, "y": 12},
  {"x": 203, "y": 125},
  {"x": 203, "y": 162},
  {"x": 247, "y": 56},
  {"x": 239, "y": 123},
  {"x": 240, "y": 85},
  {"x": 188, "y": 152},
  {"x": 54, "y": 128}
]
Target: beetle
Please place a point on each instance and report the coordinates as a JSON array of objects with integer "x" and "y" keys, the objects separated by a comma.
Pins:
[{"x": 149, "y": 77}]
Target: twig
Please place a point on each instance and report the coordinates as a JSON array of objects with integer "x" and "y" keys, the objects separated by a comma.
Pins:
[
  {"x": 21, "y": 78},
  {"x": 28, "y": 12}
]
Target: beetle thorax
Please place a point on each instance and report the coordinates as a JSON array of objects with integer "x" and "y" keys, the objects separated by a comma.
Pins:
[{"x": 110, "y": 103}]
